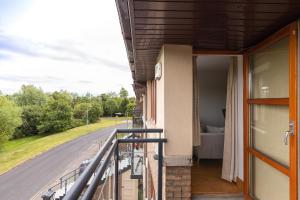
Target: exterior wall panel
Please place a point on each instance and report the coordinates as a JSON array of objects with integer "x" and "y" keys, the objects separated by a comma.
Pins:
[
  {"x": 178, "y": 102},
  {"x": 174, "y": 102}
]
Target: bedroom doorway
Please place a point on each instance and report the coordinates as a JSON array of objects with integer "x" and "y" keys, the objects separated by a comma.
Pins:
[{"x": 213, "y": 80}]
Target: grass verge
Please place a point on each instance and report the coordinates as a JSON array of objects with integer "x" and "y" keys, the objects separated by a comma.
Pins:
[{"x": 18, "y": 151}]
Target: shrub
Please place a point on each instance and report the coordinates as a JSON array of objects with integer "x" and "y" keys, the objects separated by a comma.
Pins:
[
  {"x": 57, "y": 116},
  {"x": 31, "y": 119},
  {"x": 10, "y": 118}
]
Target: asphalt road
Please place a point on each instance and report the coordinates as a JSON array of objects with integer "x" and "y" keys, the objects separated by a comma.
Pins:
[{"x": 27, "y": 179}]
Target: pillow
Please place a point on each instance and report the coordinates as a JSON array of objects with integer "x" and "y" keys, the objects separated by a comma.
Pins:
[{"x": 214, "y": 129}]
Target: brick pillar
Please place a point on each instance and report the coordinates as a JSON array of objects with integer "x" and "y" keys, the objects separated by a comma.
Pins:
[{"x": 178, "y": 183}]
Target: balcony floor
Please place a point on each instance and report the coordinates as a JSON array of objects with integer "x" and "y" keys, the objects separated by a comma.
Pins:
[
  {"x": 204, "y": 197},
  {"x": 206, "y": 179}
]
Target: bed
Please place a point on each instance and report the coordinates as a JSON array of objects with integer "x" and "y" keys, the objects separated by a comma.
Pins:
[{"x": 212, "y": 145}]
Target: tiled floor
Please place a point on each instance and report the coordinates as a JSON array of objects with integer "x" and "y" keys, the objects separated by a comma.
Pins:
[{"x": 206, "y": 179}]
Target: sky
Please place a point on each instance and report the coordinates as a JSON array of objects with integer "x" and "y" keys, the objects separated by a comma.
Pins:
[{"x": 73, "y": 45}]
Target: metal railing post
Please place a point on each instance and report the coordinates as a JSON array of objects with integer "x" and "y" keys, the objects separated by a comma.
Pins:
[
  {"x": 116, "y": 189},
  {"x": 66, "y": 185},
  {"x": 74, "y": 175},
  {"x": 160, "y": 166},
  {"x": 103, "y": 158},
  {"x": 60, "y": 182}
]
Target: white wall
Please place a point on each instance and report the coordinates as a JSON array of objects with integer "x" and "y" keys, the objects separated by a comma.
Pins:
[{"x": 213, "y": 89}]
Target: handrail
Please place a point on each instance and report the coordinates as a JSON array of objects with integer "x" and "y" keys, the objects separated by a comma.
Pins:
[
  {"x": 142, "y": 140},
  {"x": 140, "y": 130},
  {"x": 93, "y": 186},
  {"x": 81, "y": 182},
  {"x": 109, "y": 146}
]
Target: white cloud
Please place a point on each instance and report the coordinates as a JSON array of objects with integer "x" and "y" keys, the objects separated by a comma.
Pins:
[{"x": 77, "y": 43}]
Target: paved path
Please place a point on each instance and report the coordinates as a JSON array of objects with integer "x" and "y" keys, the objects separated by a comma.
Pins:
[{"x": 29, "y": 178}]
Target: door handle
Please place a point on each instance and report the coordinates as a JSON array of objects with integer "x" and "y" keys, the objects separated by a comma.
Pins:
[
  {"x": 290, "y": 132},
  {"x": 286, "y": 137}
]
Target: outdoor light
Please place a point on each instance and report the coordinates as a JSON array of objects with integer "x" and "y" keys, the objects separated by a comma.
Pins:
[{"x": 158, "y": 71}]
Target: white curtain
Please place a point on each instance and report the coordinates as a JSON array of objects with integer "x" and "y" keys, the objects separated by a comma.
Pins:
[
  {"x": 196, "y": 119},
  {"x": 229, "y": 168}
]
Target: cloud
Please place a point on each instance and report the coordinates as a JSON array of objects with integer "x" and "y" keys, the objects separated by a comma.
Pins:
[
  {"x": 30, "y": 79},
  {"x": 85, "y": 52},
  {"x": 85, "y": 82},
  {"x": 67, "y": 51},
  {"x": 15, "y": 45},
  {"x": 5, "y": 57}
]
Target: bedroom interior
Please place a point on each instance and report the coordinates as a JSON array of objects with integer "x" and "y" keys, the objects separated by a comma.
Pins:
[{"x": 215, "y": 125}]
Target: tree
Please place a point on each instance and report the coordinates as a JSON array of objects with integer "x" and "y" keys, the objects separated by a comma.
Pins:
[
  {"x": 130, "y": 106},
  {"x": 95, "y": 112},
  {"x": 63, "y": 96},
  {"x": 30, "y": 95},
  {"x": 31, "y": 99},
  {"x": 123, "y": 93},
  {"x": 57, "y": 115},
  {"x": 80, "y": 111},
  {"x": 123, "y": 105},
  {"x": 110, "y": 107},
  {"x": 10, "y": 118},
  {"x": 31, "y": 118}
]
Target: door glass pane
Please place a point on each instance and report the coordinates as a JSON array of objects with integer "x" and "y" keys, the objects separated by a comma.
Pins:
[
  {"x": 267, "y": 182},
  {"x": 267, "y": 127},
  {"x": 270, "y": 71}
]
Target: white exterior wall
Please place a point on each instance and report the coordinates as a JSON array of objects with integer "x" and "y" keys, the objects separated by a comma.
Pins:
[
  {"x": 174, "y": 103},
  {"x": 175, "y": 115}
]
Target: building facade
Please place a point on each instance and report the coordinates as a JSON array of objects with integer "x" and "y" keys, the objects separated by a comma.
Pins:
[{"x": 167, "y": 41}]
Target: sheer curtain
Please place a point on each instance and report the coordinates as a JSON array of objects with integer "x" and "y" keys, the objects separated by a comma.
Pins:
[
  {"x": 196, "y": 119},
  {"x": 229, "y": 168}
]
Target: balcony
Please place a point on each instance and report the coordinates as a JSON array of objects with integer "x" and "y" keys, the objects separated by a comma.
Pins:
[{"x": 121, "y": 153}]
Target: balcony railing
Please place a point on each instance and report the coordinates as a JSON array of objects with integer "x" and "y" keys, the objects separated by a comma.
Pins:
[{"x": 110, "y": 161}]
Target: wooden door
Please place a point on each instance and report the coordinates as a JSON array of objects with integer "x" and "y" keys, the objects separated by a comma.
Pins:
[{"x": 270, "y": 117}]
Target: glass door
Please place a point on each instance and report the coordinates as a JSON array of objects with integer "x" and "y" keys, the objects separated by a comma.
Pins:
[{"x": 270, "y": 115}]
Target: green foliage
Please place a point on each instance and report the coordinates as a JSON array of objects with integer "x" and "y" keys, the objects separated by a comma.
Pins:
[
  {"x": 31, "y": 99},
  {"x": 80, "y": 111},
  {"x": 130, "y": 106},
  {"x": 57, "y": 115},
  {"x": 77, "y": 122},
  {"x": 95, "y": 112},
  {"x": 123, "y": 93},
  {"x": 30, "y": 95},
  {"x": 123, "y": 105},
  {"x": 62, "y": 96},
  {"x": 92, "y": 110},
  {"x": 46, "y": 113},
  {"x": 10, "y": 118},
  {"x": 17, "y": 151},
  {"x": 110, "y": 107},
  {"x": 31, "y": 118}
]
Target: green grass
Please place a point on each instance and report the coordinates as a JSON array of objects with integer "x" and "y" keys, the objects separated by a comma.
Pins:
[{"x": 17, "y": 151}]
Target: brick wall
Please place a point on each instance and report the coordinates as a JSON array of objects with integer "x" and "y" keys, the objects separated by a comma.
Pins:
[{"x": 178, "y": 183}]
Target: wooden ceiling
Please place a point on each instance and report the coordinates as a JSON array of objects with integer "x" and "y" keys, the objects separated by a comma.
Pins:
[{"x": 204, "y": 24}]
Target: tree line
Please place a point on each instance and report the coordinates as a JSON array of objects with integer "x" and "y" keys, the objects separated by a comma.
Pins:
[{"x": 31, "y": 111}]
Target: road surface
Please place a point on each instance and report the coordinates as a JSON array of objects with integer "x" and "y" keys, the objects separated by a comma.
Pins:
[{"x": 27, "y": 179}]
